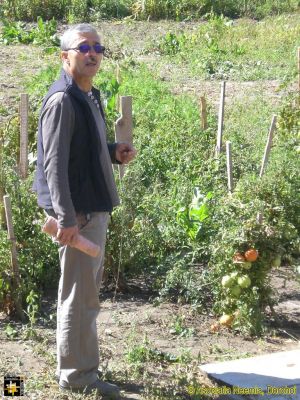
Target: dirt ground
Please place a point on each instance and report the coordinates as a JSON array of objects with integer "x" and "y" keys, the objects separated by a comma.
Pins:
[
  {"x": 132, "y": 319},
  {"x": 128, "y": 320}
]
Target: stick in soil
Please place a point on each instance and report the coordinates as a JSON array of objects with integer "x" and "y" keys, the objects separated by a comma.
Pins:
[
  {"x": 229, "y": 166},
  {"x": 124, "y": 126},
  {"x": 14, "y": 258},
  {"x": 24, "y": 135},
  {"x": 268, "y": 147},
  {"x": 221, "y": 119},
  {"x": 203, "y": 113},
  {"x": 299, "y": 69}
]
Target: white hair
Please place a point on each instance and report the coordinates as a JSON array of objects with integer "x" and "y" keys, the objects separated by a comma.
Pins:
[{"x": 67, "y": 39}]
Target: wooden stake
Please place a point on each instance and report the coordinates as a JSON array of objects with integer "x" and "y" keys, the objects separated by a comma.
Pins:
[
  {"x": 203, "y": 113},
  {"x": 24, "y": 135},
  {"x": 118, "y": 78},
  {"x": 118, "y": 74},
  {"x": 259, "y": 217},
  {"x": 14, "y": 258},
  {"x": 268, "y": 146},
  {"x": 299, "y": 69},
  {"x": 11, "y": 237},
  {"x": 124, "y": 126},
  {"x": 2, "y": 210},
  {"x": 221, "y": 119},
  {"x": 2, "y": 192},
  {"x": 229, "y": 166}
]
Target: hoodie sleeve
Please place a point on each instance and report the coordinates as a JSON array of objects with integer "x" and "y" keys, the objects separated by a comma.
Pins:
[{"x": 57, "y": 129}]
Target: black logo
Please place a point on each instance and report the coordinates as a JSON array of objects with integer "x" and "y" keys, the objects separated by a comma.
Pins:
[{"x": 13, "y": 386}]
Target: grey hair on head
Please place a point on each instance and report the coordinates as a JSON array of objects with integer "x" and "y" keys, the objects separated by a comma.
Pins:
[{"x": 67, "y": 39}]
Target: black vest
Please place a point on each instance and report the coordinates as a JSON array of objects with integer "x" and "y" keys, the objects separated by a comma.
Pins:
[{"x": 88, "y": 188}]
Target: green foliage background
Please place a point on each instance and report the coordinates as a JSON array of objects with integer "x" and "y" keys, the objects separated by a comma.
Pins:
[
  {"x": 178, "y": 226},
  {"x": 37, "y": 255},
  {"x": 78, "y": 10}
]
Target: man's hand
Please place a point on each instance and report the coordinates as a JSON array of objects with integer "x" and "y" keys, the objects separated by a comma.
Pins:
[
  {"x": 125, "y": 152},
  {"x": 67, "y": 236}
]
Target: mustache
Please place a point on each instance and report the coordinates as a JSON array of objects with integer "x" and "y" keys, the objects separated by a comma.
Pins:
[{"x": 92, "y": 59}]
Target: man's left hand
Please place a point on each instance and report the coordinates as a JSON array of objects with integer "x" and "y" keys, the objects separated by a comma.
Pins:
[{"x": 125, "y": 152}]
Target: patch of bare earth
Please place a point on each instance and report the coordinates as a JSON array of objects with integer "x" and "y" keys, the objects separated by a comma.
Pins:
[
  {"x": 131, "y": 320},
  {"x": 135, "y": 321},
  {"x": 18, "y": 64}
]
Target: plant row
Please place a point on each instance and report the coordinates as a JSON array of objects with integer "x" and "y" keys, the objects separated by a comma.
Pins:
[{"x": 78, "y": 10}]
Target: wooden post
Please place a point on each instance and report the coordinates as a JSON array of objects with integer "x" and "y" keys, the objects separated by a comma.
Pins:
[
  {"x": 24, "y": 135},
  {"x": 2, "y": 210},
  {"x": 229, "y": 166},
  {"x": 299, "y": 69},
  {"x": 11, "y": 236},
  {"x": 124, "y": 126},
  {"x": 203, "y": 113},
  {"x": 118, "y": 78},
  {"x": 221, "y": 119},
  {"x": 118, "y": 74},
  {"x": 14, "y": 258},
  {"x": 268, "y": 146},
  {"x": 259, "y": 217}
]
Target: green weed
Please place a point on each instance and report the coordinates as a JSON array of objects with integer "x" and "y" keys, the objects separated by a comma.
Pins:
[
  {"x": 226, "y": 354},
  {"x": 179, "y": 329},
  {"x": 140, "y": 353},
  {"x": 43, "y": 34},
  {"x": 10, "y": 331},
  {"x": 171, "y": 43}
]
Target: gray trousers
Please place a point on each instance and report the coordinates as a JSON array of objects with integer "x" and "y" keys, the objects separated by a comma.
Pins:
[{"x": 78, "y": 307}]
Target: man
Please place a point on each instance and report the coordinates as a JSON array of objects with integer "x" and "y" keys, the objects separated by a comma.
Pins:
[{"x": 75, "y": 184}]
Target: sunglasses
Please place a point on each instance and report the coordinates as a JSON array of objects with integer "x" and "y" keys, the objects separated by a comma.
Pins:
[{"x": 85, "y": 48}]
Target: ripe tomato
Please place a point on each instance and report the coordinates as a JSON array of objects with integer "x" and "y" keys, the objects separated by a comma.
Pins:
[{"x": 251, "y": 255}]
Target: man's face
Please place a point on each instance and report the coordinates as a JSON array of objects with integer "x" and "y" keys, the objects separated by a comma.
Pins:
[{"x": 83, "y": 65}]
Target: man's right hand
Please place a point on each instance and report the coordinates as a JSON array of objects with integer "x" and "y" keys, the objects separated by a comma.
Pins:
[{"x": 67, "y": 236}]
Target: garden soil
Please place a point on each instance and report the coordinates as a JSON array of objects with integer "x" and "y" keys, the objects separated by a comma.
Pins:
[{"x": 131, "y": 319}]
